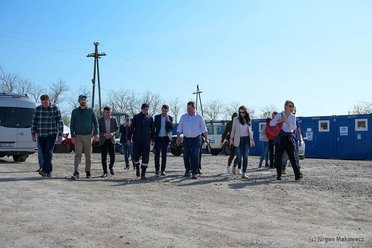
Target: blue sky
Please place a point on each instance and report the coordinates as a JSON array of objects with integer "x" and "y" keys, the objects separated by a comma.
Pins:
[{"x": 317, "y": 53}]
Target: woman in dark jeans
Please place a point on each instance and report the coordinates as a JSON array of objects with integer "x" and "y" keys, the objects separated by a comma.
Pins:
[
  {"x": 285, "y": 140},
  {"x": 226, "y": 136}
]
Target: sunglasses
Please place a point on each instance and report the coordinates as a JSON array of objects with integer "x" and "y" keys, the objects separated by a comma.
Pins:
[
  {"x": 291, "y": 106},
  {"x": 241, "y": 112}
]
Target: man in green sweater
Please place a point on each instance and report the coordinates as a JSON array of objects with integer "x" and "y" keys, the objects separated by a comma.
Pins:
[{"x": 83, "y": 126}]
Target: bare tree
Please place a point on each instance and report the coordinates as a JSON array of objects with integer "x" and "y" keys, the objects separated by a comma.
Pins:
[
  {"x": 72, "y": 100},
  {"x": 14, "y": 83},
  {"x": 266, "y": 111},
  {"x": 36, "y": 91},
  {"x": 175, "y": 106},
  {"x": 252, "y": 113},
  {"x": 362, "y": 107},
  {"x": 8, "y": 81},
  {"x": 213, "y": 110},
  {"x": 229, "y": 109},
  {"x": 119, "y": 100},
  {"x": 24, "y": 86},
  {"x": 154, "y": 101},
  {"x": 57, "y": 90},
  {"x": 133, "y": 106}
]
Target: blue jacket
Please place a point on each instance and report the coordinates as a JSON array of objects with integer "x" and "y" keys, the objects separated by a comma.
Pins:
[
  {"x": 142, "y": 128},
  {"x": 157, "y": 125}
]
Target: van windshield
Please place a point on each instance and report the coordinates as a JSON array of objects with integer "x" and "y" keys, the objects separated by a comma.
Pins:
[{"x": 16, "y": 117}]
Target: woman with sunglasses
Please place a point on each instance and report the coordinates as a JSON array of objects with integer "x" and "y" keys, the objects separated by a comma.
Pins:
[
  {"x": 285, "y": 140},
  {"x": 242, "y": 138}
]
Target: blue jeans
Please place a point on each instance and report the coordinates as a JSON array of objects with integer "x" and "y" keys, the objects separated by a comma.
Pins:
[
  {"x": 126, "y": 152},
  {"x": 47, "y": 146},
  {"x": 242, "y": 151},
  {"x": 265, "y": 152},
  {"x": 39, "y": 155},
  {"x": 191, "y": 153}
]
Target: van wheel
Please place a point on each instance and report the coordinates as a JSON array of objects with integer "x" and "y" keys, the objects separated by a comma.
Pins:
[
  {"x": 226, "y": 149},
  {"x": 16, "y": 158},
  {"x": 23, "y": 159}
]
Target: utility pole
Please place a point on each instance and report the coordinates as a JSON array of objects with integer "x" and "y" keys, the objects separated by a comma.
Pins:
[
  {"x": 198, "y": 97},
  {"x": 96, "y": 56}
]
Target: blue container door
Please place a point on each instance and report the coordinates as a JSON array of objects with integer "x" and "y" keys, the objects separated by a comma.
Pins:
[
  {"x": 362, "y": 137},
  {"x": 319, "y": 137},
  {"x": 256, "y": 150},
  {"x": 344, "y": 131}
]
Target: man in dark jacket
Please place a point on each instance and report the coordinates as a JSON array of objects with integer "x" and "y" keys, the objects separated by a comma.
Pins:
[
  {"x": 141, "y": 133},
  {"x": 107, "y": 128},
  {"x": 163, "y": 125},
  {"x": 127, "y": 149}
]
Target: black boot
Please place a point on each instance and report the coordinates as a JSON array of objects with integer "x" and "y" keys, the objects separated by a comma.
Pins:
[
  {"x": 143, "y": 172},
  {"x": 75, "y": 176},
  {"x": 137, "y": 170}
]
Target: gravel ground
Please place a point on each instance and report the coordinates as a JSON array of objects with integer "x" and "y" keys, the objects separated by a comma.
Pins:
[{"x": 330, "y": 207}]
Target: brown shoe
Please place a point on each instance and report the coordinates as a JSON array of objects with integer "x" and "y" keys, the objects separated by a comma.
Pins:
[
  {"x": 244, "y": 176},
  {"x": 49, "y": 174},
  {"x": 284, "y": 172}
]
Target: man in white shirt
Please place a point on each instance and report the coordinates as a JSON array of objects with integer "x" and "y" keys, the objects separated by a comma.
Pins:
[{"x": 191, "y": 125}]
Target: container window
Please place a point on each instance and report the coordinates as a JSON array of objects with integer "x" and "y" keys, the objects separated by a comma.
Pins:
[
  {"x": 361, "y": 125},
  {"x": 261, "y": 124},
  {"x": 324, "y": 126}
]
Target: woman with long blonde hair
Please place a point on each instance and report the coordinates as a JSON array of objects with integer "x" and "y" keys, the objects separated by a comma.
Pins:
[{"x": 285, "y": 140}]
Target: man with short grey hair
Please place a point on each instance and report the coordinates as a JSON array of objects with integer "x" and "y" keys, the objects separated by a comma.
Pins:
[{"x": 46, "y": 125}]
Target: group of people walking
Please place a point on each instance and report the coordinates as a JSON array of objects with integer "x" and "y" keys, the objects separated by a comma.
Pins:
[
  {"x": 238, "y": 133},
  {"x": 143, "y": 131}
]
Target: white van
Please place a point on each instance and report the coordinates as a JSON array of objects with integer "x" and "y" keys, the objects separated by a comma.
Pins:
[
  {"x": 16, "y": 112},
  {"x": 215, "y": 131}
]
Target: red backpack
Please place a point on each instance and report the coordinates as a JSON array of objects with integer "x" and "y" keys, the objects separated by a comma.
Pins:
[{"x": 273, "y": 131}]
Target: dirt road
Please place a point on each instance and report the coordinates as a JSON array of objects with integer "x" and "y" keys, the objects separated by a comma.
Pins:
[{"x": 330, "y": 207}]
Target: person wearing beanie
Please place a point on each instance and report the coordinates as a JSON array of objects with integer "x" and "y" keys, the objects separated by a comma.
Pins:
[{"x": 141, "y": 134}]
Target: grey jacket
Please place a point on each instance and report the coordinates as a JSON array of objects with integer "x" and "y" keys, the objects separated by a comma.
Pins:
[{"x": 102, "y": 129}]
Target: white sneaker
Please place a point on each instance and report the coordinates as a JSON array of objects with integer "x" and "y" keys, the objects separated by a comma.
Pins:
[
  {"x": 240, "y": 172},
  {"x": 228, "y": 170}
]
